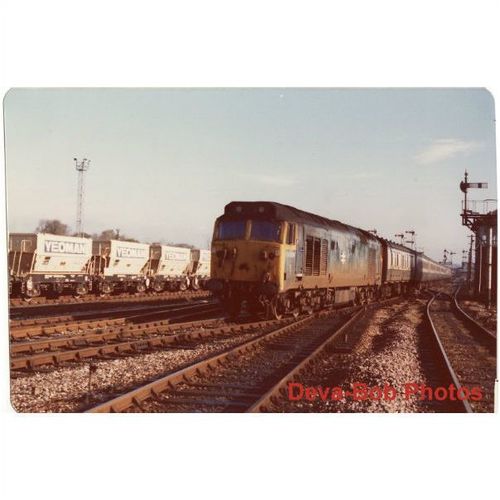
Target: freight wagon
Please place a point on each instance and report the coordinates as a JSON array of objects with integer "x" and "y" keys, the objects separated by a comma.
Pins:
[
  {"x": 49, "y": 264},
  {"x": 200, "y": 268},
  {"x": 168, "y": 268},
  {"x": 53, "y": 264},
  {"x": 119, "y": 266}
]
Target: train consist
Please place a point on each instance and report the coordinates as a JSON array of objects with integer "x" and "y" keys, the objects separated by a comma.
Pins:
[
  {"x": 52, "y": 264},
  {"x": 282, "y": 260}
]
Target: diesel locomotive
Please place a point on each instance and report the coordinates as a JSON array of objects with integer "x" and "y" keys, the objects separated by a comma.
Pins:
[{"x": 282, "y": 260}]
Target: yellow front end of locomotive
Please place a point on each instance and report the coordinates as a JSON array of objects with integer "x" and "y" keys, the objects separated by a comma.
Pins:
[
  {"x": 248, "y": 253},
  {"x": 247, "y": 261}
]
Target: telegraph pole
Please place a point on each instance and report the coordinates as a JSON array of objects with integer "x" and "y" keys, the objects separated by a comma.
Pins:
[{"x": 81, "y": 168}]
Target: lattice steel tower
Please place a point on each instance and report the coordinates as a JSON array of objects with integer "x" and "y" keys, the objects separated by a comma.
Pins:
[{"x": 81, "y": 168}]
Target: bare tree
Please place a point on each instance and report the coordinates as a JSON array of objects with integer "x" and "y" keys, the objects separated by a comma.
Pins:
[
  {"x": 115, "y": 234},
  {"x": 182, "y": 245},
  {"x": 52, "y": 226}
]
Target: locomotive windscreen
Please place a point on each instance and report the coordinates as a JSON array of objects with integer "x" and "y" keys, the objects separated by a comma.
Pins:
[
  {"x": 265, "y": 230},
  {"x": 231, "y": 230}
]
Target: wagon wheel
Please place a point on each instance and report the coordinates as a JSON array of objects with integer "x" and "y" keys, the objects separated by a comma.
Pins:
[
  {"x": 34, "y": 292},
  {"x": 81, "y": 289},
  {"x": 106, "y": 289}
]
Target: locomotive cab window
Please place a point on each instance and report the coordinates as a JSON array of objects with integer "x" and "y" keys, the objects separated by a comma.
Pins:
[
  {"x": 263, "y": 230},
  {"x": 290, "y": 234},
  {"x": 231, "y": 230}
]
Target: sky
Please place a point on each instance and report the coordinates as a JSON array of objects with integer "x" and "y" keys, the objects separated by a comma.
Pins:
[{"x": 164, "y": 162}]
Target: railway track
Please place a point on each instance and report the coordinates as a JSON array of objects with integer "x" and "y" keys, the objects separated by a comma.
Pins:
[
  {"x": 278, "y": 391},
  {"x": 54, "y": 325},
  {"x": 19, "y": 308},
  {"x": 115, "y": 340},
  {"x": 475, "y": 325},
  {"x": 466, "y": 352},
  {"x": 237, "y": 379}
]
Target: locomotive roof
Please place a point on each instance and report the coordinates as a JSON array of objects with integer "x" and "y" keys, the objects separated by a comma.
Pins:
[{"x": 278, "y": 211}]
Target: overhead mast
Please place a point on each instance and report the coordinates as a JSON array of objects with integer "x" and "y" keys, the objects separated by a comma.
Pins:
[{"x": 81, "y": 168}]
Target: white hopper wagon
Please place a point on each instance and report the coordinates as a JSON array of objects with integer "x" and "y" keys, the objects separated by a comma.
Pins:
[
  {"x": 120, "y": 265},
  {"x": 48, "y": 263},
  {"x": 200, "y": 270},
  {"x": 168, "y": 267}
]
